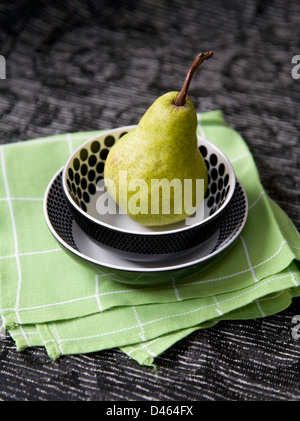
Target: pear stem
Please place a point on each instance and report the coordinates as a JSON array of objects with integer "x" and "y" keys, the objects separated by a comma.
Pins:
[{"x": 181, "y": 97}]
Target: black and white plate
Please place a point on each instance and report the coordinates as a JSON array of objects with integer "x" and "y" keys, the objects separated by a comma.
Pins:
[
  {"x": 87, "y": 251},
  {"x": 83, "y": 185}
]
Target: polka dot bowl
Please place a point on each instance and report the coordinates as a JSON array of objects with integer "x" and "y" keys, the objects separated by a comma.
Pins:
[{"x": 82, "y": 179}]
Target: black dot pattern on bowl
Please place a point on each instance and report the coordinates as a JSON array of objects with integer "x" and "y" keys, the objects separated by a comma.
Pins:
[
  {"x": 84, "y": 169},
  {"x": 213, "y": 188},
  {"x": 213, "y": 159},
  {"x": 71, "y": 174},
  {"x": 77, "y": 178},
  {"x": 92, "y": 188},
  {"x": 221, "y": 169},
  {"x": 203, "y": 151},
  {"x": 92, "y": 160},
  {"x": 218, "y": 179},
  {"x": 91, "y": 175},
  {"x": 100, "y": 167},
  {"x": 83, "y": 206},
  {"x": 214, "y": 174},
  {"x": 87, "y": 168},
  {"x": 226, "y": 179},
  {"x": 210, "y": 201},
  {"x": 83, "y": 154},
  {"x": 103, "y": 154},
  {"x": 236, "y": 215},
  {"x": 59, "y": 213},
  {"x": 83, "y": 183},
  {"x": 109, "y": 141},
  {"x": 86, "y": 197},
  {"x": 95, "y": 146},
  {"x": 76, "y": 164},
  {"x": 207, "y": 193}
]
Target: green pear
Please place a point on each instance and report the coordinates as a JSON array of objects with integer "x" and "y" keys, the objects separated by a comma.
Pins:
[{"x": 156, "y": 173}]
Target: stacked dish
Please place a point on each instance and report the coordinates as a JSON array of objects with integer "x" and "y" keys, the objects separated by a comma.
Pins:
[{"x": 114, "y": 242}]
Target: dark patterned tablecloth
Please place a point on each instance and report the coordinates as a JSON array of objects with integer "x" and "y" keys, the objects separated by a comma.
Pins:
[{"x": 87, "y": 65}]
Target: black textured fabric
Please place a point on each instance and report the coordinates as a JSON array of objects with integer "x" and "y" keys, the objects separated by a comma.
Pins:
[{"x": 87, "y": 65}]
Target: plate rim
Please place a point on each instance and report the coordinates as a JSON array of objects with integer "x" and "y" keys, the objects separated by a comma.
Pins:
[{"x": 185, "y": 265}]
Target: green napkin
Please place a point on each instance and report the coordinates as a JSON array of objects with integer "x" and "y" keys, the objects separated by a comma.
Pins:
[{"x": 47, "y": 299}]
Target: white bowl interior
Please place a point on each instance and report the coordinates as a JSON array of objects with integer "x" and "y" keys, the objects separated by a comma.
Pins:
[{"x": 83, "y": 174}]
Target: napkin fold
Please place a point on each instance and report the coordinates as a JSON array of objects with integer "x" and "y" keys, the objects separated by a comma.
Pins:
[{"x": 50, "y": 300}]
